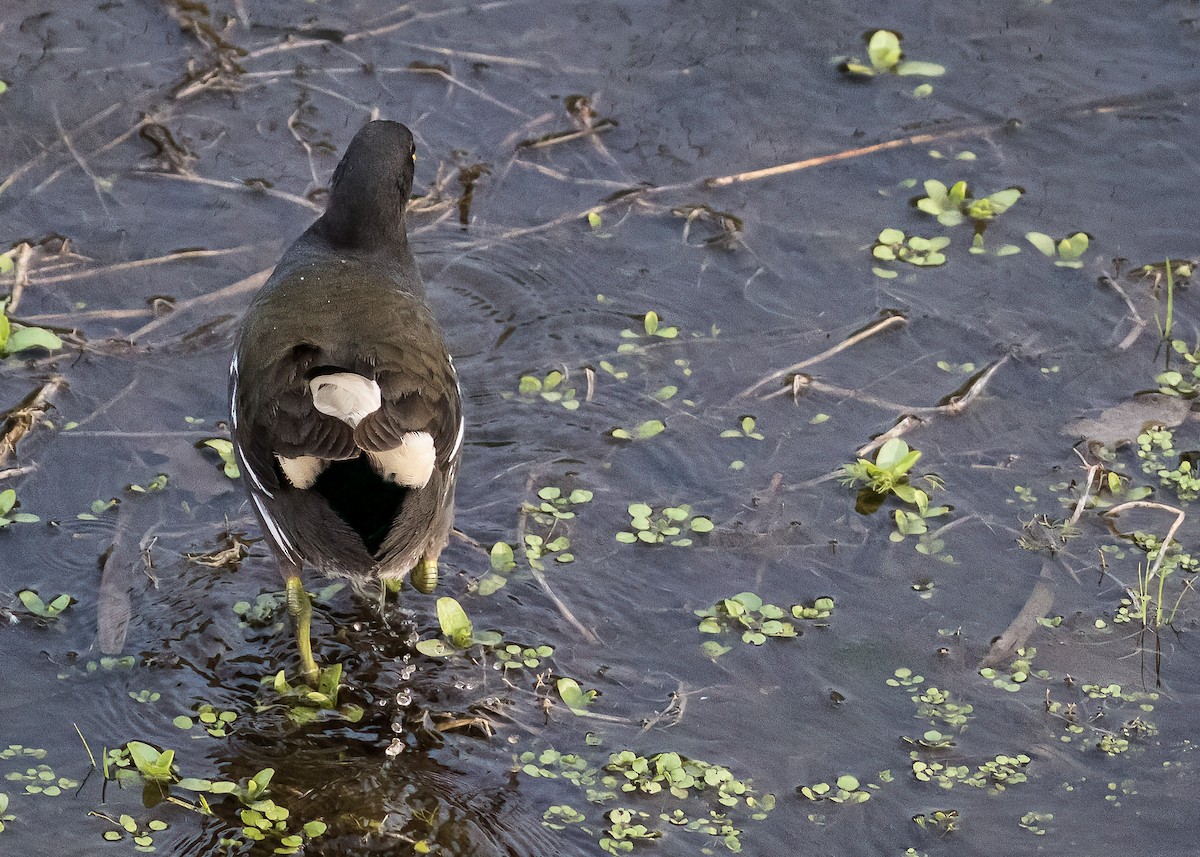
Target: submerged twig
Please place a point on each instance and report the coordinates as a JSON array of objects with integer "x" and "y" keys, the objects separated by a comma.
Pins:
[
  {"x": 1163, "y": 507},
  {"x": 20, "y": 276},
  {"x": 246, "y": 284},
  {"x": 522, "y": 524},
  {"x": 901, "y": 428},
  {"x": 956, "y": 406},
  {"x": 19, "y": 421},
  {"x": 877, "y": 327},
  {"x": 141, "y": 263},
  {"x": 1021, "y": 628}
]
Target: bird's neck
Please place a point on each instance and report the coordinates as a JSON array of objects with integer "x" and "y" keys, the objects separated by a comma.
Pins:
[{"x": 368, "y": 228}]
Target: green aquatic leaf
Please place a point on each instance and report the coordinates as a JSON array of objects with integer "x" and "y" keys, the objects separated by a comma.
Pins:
[
  {"x": 1044, "y": 243},
  {"x": 24, "y": 338},
  {"x": 454, "y": 622},
  {"x": 884, "y": 49},
  {"x": 922, "y": 69}
]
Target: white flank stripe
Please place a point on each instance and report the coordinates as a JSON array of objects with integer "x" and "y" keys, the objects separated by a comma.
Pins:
[
  {"x": 280, "y": 539},
  {"x": 462, "y": 427}
]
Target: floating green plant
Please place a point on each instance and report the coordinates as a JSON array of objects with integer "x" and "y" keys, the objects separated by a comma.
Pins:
[
  {"x": 757, "y": 621},
  {"x": 886, "y": 57},
  {"x": 952, "y": 205},
  {"x": 558, "y": 505},
  {"x": 576, "y": 698},
  {"x": 458, "y": 633},
  {"x": 215, "y": 723},
  {"x": 692, "y": 796},
  {"x": 224, "y": 449},
  {"x": 893, "y": 245},
  {"x": 142, "y": 836},
  {"x": 747, "y": 428},
  {"x": 42, "y": 609},
  {"x": 550, "y": 388},
  {"x": 42, "y": 780},
  {"x": 668, "y": 526},
  {"x": 5, "y": 815},
  {"x": 515, "y": 656},
  {"x": 652, "y": 328},
  {"x": 1018, "y": 672},
  {"x": 15, "y": 338},
  {"x": 8, "y": 501},
  {"x": 845, "y": 789},
  {"x": 1065, "y": 251},
  {"x": 305, "y": 704},
  {"x": 644, "y": 431}
]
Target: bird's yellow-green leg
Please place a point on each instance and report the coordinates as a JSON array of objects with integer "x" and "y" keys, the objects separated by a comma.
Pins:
[
  {"x": 424, "y": 575},
  {"x": 300, "y": 609}
]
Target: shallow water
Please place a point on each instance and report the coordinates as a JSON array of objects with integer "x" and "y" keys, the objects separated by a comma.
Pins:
[{"x": 1087, "y": 109}]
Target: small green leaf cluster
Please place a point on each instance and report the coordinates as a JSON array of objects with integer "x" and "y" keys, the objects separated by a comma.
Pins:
[
  {"x": 1067, "y": 250},
  {"x": 305, "y": 704},
  {"x": 1036, "y": 823},
  {"x": 1175, "y": 383},
  {"x": 846, "y": 789},
  {"x": 98, "y": 508},
  {"x": 643, "y": 431},
  {"x": 550, "y": 388},
  {"x": 5, "y": 816},
  {"x": 885, "y": 57},
  {"x": 158, "y": 483},
  {"x": 1176, "y": 557},
  {"x": 41, "y": 780},
  {"x": 931, "y": 739},
  {"x": 557, "y": 505},
  {"x": 625, "y": 828},
  {"x": 660, "y": 776},
  {"x": 746, "y": 612},
  {"x": 503, "y": 561},
  {"x": 677, "y": 774},
  {"x": 458, "y": 632},
  {"x": 1156, "y": 449},
  {"x": 746, "y": 428},
  {"x": 1019, "y": 671},
  {"x": 512, "y": 656},
  {"x": 904, "y": 677},
  {"x": 537, "y": 547},
  {"x": 649, "y": 527},
  {"x": 15, "y": 338},
  {"x": 940, "y": 821},
  {"x": 265, "y": 612},
  {"x": 43, "y": 610},
  {"x": 888, "y": 473},
  {"x": 218, "y": 724},
  {"x": 892, "y": 245},
  {"x": 575, "y": 697},
  {"x": 651, "y": 328},
  {"x": 261, "y": 817},
  {"x": 8, "y": 500},
  {"x": 145, "y": 696},
  {"x": 551, "y": 764},
  {"x": 143, "y": 837},
  {"x": 934, "y": 704},
  {"x": 952, "y": 205},
  {"x": 995, "y": 775},
  {"x": 559, "y": 816},
  {"x": 224, "y": 449}
]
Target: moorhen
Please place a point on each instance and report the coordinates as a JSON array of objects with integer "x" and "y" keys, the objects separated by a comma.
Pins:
[{"x": 346, "y": 409}]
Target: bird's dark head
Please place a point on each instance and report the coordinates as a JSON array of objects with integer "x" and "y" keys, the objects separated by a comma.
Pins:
[{"x": 371, "y": 187}]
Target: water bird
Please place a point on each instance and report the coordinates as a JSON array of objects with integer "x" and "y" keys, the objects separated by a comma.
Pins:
[{"x": 346, "y": 411}]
